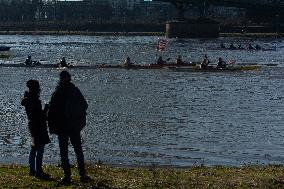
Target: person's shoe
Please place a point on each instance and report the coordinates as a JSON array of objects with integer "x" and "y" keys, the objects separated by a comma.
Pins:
[
  {"x": 86, "y": 179},
  {"x": 42, "y": 175},
  {"x": 65, "y": 181}
]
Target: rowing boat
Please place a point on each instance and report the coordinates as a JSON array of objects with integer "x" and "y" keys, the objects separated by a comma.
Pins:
[
  {"x": 194, "y": 67},
  {"x": 5, "y": 56},
  {"x": 41, "y": 65},
  {"x": 132, "y": 66},
  {"x": 244, "y": 49},
  {"x": 4, "y": 48},
  {"x": 29, "y": 66},
  {"x": 147, "y": 66},
  {"x": 215, "y": 69}
]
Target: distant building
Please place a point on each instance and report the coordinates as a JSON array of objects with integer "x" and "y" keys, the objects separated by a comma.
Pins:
[
  {"x": 227, "y": 14},
  {"x": 157, "y": 11}
]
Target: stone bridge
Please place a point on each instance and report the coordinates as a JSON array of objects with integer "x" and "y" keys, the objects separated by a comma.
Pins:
[
  {"x": 273, "y": 6},
  {"x": 182, "y": 28}
]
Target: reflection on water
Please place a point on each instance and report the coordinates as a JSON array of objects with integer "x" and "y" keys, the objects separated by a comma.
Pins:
[{"x": 140, "y": 117}]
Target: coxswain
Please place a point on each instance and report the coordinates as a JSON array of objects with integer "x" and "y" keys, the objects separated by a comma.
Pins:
[
  {"x": 205, "y": 62},
  {"x": 179, "y": 60},
  {"x": 221, "y": 63},
  {"x": 63, "y": 62},
  {"x": 222, "y": 46},
  {"x": 29, "y": 61}
]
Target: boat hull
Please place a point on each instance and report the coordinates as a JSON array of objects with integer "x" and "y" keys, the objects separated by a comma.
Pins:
[
  {"x": 4, "y": 48},
  {"x": 148, "y": 66},
  {"x": 214, "y": 69},
  {"x": 5, "y": 56},
  {"x": 22, "y": 65},
  {"x": 187, "y": 67}
]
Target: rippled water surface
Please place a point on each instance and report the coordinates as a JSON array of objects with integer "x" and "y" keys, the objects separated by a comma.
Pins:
[{"x": 144, "y": 117}]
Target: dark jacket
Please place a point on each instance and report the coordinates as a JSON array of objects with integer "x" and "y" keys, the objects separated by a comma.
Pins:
[
  {"x": 221, "y": 64},
  {"x": 37, "y": 119},
  {"x": 67, "y": 111}
]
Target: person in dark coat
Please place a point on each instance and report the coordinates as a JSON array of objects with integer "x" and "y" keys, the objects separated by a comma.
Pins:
[
  {"x": 66, "y": 118},
  {"x": 37, "y": 127}
]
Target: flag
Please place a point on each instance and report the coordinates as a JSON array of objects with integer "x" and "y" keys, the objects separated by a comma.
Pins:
[{"x": 161, "y": 44}]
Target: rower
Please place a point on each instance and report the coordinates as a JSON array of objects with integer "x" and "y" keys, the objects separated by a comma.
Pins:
[
  {"x": 29, "y": 61},
  {"x": 160, "y": 61},
  {"x": 179, "y": 60},
  {"x": 240, "y": 46},
  {"x": 232, "y": 46},
  {"x": 222, "y": 46},
  {"x": 221, "y": 63},
  {"x": 127, "y": 62},
  {"x": 205, "y": 62},
  {"x": 63, "y": 62},
  {"x": 257, "y": 47},
  {"x": 250, "y": 47}
]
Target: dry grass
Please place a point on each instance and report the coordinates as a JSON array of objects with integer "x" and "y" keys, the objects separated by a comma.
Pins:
[{"x": 272, "y": 176}]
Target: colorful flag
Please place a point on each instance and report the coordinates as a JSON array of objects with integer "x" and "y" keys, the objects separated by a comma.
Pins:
[{"x": 161, "y": 44}]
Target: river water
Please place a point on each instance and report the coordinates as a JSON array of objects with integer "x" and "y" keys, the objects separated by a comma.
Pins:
[{"x": 146, "y": 117}]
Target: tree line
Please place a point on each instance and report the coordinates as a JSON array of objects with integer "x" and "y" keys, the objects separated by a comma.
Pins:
[{"x": 38, "y": 10}]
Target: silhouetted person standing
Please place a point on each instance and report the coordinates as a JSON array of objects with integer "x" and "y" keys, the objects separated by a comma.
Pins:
[
  {"x": 66, "y": 118},
  {"x": 37, "y": 127}
]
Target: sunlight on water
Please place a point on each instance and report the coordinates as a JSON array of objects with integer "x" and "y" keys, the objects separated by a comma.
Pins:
[{"x": 140, "y": 117}]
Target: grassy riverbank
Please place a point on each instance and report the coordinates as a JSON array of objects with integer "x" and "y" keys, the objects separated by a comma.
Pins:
[{"x": 13, "y": 176}]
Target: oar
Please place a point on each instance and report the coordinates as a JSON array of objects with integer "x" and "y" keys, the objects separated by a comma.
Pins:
[
  {"x": 269, "y": 64},
  {"x": 232, "y": 62},
  {"x": 250, "y": 64},
  {"x": 250, "y": 67},
  {"x": 167, "y": 60}
]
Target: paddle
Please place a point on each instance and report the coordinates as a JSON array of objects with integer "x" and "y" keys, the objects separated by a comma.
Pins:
[{"x": 231, "y": 62}]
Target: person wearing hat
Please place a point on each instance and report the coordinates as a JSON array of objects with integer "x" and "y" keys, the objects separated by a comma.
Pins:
[
  {"x": 37, "y": 127},
  {"x": 66, "y": 118}
]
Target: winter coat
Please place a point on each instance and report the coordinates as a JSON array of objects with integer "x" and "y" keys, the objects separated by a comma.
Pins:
[
  {"x": 67, "y": 111},
  {"x": 36, "y": 119}
]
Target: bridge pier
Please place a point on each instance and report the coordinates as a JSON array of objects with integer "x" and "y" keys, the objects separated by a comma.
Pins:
[{"x": 192, "y": 29}]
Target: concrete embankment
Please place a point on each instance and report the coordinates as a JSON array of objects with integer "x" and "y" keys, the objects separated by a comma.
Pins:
[
  {"x": 257, "y": 35},
  {"x": 125, "y": 29},
  {"x": 82, "y": 33},
  {"x": 252, "y": 35}
]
